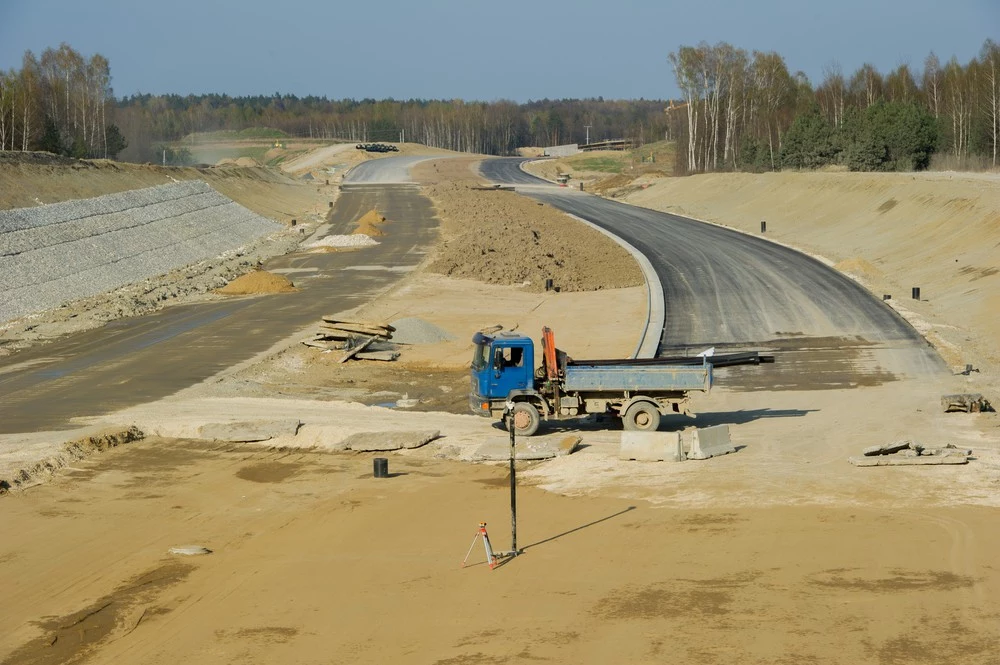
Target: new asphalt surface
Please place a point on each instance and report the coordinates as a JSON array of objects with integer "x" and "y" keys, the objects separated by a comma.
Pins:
[{"x": 728, "y": 289}]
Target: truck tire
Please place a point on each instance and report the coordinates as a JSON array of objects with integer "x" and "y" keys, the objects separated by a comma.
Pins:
[
  {"x": 526, "y": 418},
  {"x": 641, "y": 417}
]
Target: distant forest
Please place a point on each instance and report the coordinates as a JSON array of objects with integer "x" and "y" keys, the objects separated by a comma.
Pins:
[
  {"x": 740, "y": 111},
  {"x": 494, "y": 128},
  {"x": 746, "y": 111}
]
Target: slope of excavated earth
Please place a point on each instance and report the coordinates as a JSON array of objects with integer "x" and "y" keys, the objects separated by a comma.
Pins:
[{"x": 500, "y": 238}]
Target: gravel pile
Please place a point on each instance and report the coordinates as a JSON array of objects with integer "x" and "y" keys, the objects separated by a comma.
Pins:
[
  {"x": 412, "y": 330},
  {"x": 353, "y": 240},
  {"x": 56, "y": 253}
]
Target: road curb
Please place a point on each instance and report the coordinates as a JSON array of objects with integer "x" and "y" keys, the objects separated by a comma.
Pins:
[{"x": 649, "y": 341}]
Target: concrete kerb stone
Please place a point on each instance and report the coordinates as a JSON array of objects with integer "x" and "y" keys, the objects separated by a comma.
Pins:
[
  {"x": 708, "y": 442},
  {"x": 651, "y": 447}
]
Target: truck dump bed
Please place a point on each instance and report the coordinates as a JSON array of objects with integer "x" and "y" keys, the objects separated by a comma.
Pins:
[{"x": 637, "y": 377}]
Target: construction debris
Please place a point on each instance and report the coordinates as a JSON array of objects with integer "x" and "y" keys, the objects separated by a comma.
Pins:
[
  {"x": 383, "y": 441},
  {"x": 910, "y": 453},
  {"x": 384, "y": 356},
  {"x": 362, "y": 340},
  {"x": 249, "y": 431},
  {"x": 356, "y": 350},
  {"x": 965, "y": 403},
  {"x": 497, "y": 449}
]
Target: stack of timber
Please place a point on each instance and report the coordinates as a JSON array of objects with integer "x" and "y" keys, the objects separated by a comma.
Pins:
[{"x": 362, "y": 340}]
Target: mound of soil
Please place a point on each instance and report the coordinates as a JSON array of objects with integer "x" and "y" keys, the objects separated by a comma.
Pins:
[
  {"x": 257, "y": 282},
  {"x": 369, "y": 224},
  {"x": 503, "y": 238}
]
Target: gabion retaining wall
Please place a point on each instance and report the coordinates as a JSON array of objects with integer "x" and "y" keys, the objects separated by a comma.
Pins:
[{"x": 56, "y": 253}]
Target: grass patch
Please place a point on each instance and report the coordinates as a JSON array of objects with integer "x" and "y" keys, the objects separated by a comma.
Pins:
[{"x": 602, "y": 164}]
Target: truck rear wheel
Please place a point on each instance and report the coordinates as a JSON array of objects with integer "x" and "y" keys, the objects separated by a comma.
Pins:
[
  {"x": 641, "y": 417},
  {"x": 525, "y": 418}
]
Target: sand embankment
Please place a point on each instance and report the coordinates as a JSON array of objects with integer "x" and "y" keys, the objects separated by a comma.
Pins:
[{"x": 891, "y": 232}]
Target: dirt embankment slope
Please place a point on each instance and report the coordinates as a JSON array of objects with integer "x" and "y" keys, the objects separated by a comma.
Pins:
[
  {"x": 32, "y": 179},
  {"x": 499, "y": 237},
  {"x": 892, "y": 232}
]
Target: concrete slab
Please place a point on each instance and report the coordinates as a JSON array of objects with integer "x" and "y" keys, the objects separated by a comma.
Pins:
[
  {"x": 534, "y": 448},
  {"x": 709, "y": 442},
  {"x": 249, "y": 431},
  {"x": 385, "y": 441},
  {"x": 651, "y": 447},
  {"x": 900, "y": 460}
]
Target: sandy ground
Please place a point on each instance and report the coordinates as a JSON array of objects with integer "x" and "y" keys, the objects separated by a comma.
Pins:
[{"x": 779, "y": 553}]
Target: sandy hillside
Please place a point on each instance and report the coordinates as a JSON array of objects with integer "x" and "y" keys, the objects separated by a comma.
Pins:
[
  {"x": 39, "y": 178},
  {"x": 892, "y": 232}
]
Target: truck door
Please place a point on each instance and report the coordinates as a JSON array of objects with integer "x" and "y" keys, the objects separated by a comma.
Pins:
[{"x": 510, "y": 371}]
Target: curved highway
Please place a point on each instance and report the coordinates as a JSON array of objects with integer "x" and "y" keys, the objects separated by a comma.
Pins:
[{"x": 725, "y": 288}]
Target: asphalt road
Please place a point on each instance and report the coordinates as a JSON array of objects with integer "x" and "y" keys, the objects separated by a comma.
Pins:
[
  {"x": 132, "y": 361},
  {"x": 728, "y": 289}
]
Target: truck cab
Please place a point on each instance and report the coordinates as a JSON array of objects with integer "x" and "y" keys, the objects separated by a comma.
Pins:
[{"x": 503, "y": 364}]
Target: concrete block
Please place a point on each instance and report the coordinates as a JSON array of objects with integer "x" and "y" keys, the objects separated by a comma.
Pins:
[
  {"x": 709, "y": 442},
  {"x": 898, "y": 460},
  {"x": 533, "y": 448},
  {"x": 382, "y": 441},
  {"x": 651, "y": 447},
  {"x": 249, "y": 431}
]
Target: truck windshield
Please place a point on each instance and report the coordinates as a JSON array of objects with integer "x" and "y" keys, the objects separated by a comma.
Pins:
[{"x": 481, "y": 358}]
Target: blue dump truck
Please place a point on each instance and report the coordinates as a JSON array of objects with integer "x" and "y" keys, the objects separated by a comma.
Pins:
[{"x": 506, "y": 385}]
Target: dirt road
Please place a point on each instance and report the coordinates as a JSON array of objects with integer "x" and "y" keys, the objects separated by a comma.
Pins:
[{"x": 142, "y": 359}]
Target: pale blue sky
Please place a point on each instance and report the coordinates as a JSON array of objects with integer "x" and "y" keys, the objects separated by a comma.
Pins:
[{"x": 505, "y": 49}]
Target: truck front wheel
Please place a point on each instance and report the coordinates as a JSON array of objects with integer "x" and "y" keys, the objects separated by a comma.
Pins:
[
  {"x": 641, "y": 417},
  {"x": 525, "y": 418}
]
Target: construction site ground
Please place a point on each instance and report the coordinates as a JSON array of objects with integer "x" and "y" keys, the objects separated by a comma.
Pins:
[{"x": 781, "y": 552}]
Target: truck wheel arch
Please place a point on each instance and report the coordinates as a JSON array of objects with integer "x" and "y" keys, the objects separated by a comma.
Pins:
[
  {"x": 642, "y": 416},
  {"x": 640, "y": 399},
  {"x": 525, "y": 414}
]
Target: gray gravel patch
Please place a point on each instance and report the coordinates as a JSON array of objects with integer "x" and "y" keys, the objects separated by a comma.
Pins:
[
  {"x": 56, "y": 253},
  {"x": 413, "y": 330}
]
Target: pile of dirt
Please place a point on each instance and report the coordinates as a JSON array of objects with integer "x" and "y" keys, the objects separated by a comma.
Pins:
[
  {"x": 502, "y": 238},
  {"x": 257, "y": 282},
  {"x": 369, "y": 224},
  {"x": 864, "y": 271}
]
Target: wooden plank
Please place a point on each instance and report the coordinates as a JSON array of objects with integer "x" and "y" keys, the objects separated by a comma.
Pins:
[
  {"x": 326, "y": 346},
  {"x": 334, "y": 334},
  {"x": 356, "y": 350},
  {"x": 366, "y": 325}
]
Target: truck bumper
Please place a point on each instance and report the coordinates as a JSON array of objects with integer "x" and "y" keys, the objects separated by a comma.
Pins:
[{"x": 480, "y": 406}]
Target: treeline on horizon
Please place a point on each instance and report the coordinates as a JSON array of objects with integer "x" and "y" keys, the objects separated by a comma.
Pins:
[
  {"x": 741, "y": 111},
  {"x": 746, "y": 111},
  {"x": 493, "y": 128}
]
